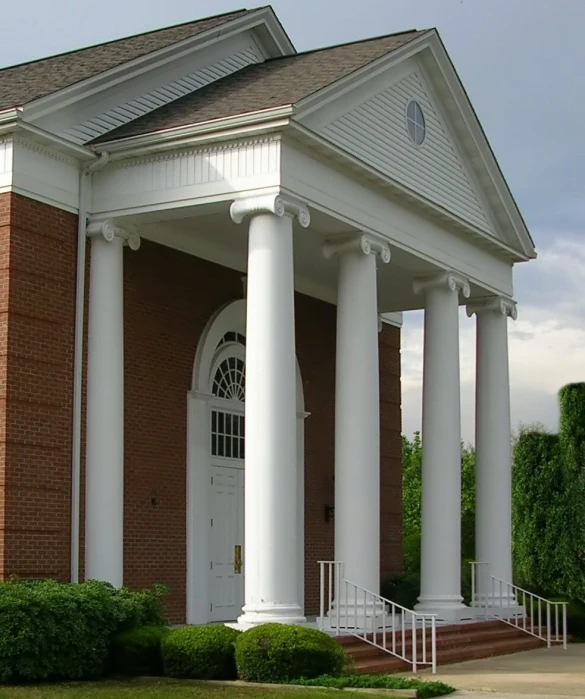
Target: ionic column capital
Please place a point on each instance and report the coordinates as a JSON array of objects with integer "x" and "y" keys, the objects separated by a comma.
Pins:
[
  {"x": 110, "y": 229},
  {"x": 446, "y": 280},
  {"x": 366, "y": 243},
  {"x": 276, "y": 204},
  {"x": 494, "y": 304}
]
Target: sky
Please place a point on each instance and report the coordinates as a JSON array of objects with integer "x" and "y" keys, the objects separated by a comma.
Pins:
[{"x": 523, "y": 65}]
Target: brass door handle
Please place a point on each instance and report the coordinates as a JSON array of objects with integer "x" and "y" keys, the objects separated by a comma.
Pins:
[{"x": 238, "y": 559}]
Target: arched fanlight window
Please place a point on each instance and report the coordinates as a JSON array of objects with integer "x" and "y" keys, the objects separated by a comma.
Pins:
[{"x": 229, "y": 381}]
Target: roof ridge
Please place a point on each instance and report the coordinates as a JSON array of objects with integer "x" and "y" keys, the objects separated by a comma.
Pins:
[
  {"x": 349, "y": 43},
  {"x": 130, "y": 36}
]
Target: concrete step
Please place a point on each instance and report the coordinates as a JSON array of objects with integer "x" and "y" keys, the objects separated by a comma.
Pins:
[{"x": 454, "y": 644}]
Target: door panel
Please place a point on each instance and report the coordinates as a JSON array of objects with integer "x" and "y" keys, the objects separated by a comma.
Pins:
[{"x": 227, "y": 532}]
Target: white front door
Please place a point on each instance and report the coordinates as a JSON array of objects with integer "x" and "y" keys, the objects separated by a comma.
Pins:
[{"x": 226, "y": 533}]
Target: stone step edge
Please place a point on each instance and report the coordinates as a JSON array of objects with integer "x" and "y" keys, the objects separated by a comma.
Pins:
[
  {"x": 393, "y": 663},
  {"x": 360, "y": 646}
]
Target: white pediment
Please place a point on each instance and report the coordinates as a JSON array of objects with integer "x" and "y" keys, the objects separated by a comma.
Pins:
[{"x": 375, "y": 130}]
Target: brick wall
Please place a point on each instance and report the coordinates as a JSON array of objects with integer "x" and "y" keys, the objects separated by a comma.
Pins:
[
  {"x": 37, "y": 297},
  {"x": 169, "y": 298}
]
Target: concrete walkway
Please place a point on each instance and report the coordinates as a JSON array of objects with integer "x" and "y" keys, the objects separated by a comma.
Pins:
[{"x": 542, "y": 673}]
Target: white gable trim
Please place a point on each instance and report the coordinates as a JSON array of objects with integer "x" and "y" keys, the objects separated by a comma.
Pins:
[
  {"x": 275, "y": 42},
  {"x": 466, "y": 114}
]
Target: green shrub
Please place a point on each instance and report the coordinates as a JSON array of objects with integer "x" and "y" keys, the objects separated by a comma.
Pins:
[
  {"x": 137, "y": 651},
  {"x": 140, "y": 607},
  {"x": 51, "y": 630},
  {"x": 279, "y": 653},
  {"x": 402, "y": 589},
  {"x": 425, "y": 690},
  {"x": 200, "y": 652}
]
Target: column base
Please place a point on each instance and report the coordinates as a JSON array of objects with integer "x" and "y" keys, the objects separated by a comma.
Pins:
[
  {"x": 269, "y": 614},
  {"x": 448, "y": 608}
]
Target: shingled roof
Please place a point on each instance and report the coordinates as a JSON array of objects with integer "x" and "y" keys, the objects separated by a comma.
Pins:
[
  {"x": 26, "y": 82},
  {"x": 276, "y": 82}
]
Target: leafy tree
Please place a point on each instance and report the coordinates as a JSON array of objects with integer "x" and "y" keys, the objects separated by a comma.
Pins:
[{"x": 412, "y": 469}]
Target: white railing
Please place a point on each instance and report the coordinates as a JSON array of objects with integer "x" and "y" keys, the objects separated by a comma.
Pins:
[
  {"x": 517, "y": 607},
  {"x": 348, "y": 609}
]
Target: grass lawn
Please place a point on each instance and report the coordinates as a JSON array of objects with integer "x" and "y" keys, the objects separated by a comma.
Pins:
[{"x": 164, "y": 689}]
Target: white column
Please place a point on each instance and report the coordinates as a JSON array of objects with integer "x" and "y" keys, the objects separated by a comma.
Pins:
[
  {"x": 270, "y": 519},
  {"x": 441, "y": 445},
  {"x": 493, "y": 446},
  {"x": 357, "y": 410},
  {"x": 104, "y": 470}
]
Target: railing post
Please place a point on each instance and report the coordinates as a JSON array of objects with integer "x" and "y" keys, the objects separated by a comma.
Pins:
[
  {"x": 565, "y": 625},
  {"x": 473, "y": 595},
  {"x": 321, "y": 594},
  {"x": 434, "y": 644},
  {"x": 338, "y": 574},
  {"x": 413, "y": 643},
  {"x": 548, "y": 624}
]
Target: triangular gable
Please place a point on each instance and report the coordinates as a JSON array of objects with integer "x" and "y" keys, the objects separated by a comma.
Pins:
[{"x": 452, "y": 169}]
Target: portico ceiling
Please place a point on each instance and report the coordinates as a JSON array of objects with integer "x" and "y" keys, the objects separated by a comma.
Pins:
[{"x": 208, "y": 232}]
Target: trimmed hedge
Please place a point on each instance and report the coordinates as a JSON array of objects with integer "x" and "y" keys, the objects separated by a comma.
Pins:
[
  {"x": 548, "y": 497},
  {"x": 200, "y": 652},
  {"x": 138, "y": 651},
  {"x": 280, "y": 653},
  {"x": 425, "y": 690},
  {"x": 51, "y": 630}
]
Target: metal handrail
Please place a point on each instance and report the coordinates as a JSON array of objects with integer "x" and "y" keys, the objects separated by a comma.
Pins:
[
  {"x": 356, "y": 611},
  {"x": 504, "y": 595}
]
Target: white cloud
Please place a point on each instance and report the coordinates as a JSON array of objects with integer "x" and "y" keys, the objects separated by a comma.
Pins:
[{"x": 547, "y": 342}]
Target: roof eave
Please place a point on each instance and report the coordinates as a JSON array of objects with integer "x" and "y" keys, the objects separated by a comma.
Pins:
[
  {"x": 249, "y": 124},
  {"x": 335, "y": 89},
  {"x": 461, "y": 98},
  {"x": 11, "y": 123},
  {"x": 264, "y": 17}
]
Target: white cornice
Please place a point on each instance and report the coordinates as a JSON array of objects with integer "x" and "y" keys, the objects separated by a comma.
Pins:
[
  {"x": 11, "y": 123},
  {"x": 228, "y": 128},
  {"x": 320, "y": 145},
  {"x": 203, "y": 146}
]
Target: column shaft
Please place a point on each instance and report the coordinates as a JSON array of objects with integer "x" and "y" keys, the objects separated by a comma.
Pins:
[
  {"x": 493, "y": 445},
  {"x": 270, "y": 567},
  {"x": 357, "y": 421},
  {"x": 104, "y": 481},
  {"x": 441, "y": 444}
]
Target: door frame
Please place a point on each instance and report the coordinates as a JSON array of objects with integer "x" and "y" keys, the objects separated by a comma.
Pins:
[{"x": 229, "y": 318}]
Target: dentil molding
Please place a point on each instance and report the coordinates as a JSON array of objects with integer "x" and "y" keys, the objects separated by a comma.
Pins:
[
  {"x": 110, "y": 229},
  {"x": 366, "y": 243},
  {"x": 269, "y": 204},
  {"x": 494, "y": 304},
  {"x": 447, "y": 280}
]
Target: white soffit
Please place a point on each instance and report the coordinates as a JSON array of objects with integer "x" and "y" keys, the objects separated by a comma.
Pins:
[{"x": 158, "y": 95}]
